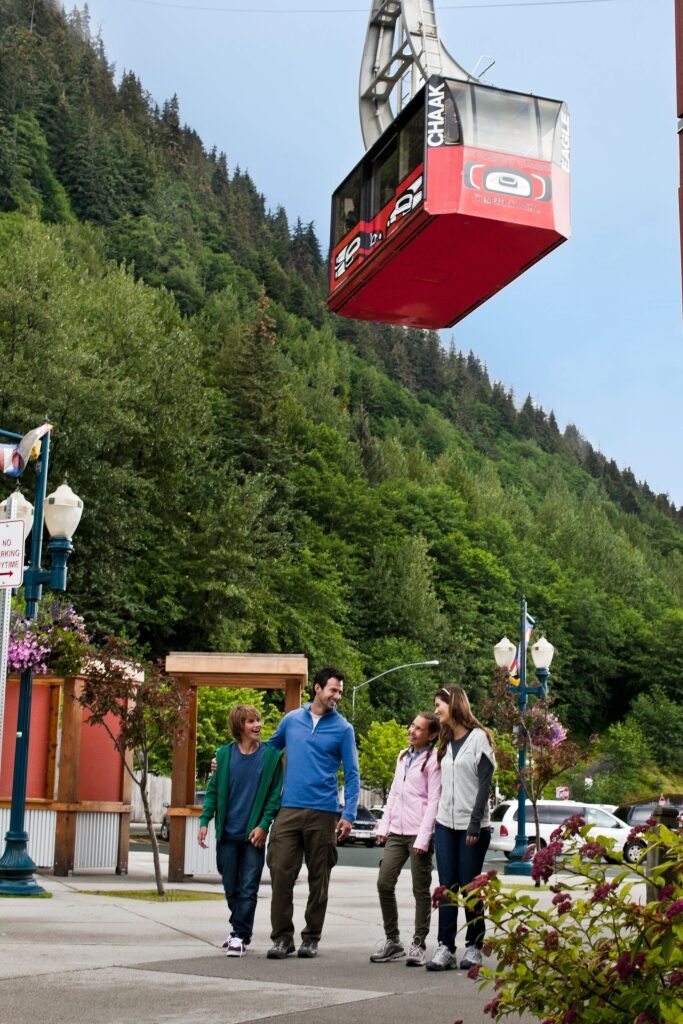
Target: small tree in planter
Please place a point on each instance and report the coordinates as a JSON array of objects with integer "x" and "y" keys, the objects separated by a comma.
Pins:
[
  {"x": 550, "y": 754},
  {"x": 596, "y": 954},
  {"x": 146, "y": 712}
]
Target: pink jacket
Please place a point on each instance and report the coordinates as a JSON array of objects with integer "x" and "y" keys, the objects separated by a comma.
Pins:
[{"x": 413, "y": 800}]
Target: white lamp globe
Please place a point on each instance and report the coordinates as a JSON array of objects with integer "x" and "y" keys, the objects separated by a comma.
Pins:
[
  {"x": 23, "y": 509},
  {"x": 63, "y": 510},
  {"x": 504, "y": 653},
  {"x": 542, "y": 653}
]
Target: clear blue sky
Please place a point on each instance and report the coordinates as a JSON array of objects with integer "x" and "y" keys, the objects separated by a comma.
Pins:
[{"x": 594, "y": 330}]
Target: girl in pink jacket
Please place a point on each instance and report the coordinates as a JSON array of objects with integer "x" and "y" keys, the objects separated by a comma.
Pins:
[{"x": 408, "y": 826}]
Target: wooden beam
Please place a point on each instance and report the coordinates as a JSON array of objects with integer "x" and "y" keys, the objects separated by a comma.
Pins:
[
  {"x": 53, "y": 740},
  {"x": 179, "y": 774},
  {"x": 124, "y": 821},
  {"x": 236, "y": 665},
  {"x": 67, "y": 788}
]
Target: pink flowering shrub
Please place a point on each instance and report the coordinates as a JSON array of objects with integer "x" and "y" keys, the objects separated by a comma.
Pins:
[{"x": 596, "y": 952}]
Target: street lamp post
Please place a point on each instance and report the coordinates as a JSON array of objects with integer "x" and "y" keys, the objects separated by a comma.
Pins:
[
  {"x": 506, "y": 655},
  {"x": 410, "y": 664},
  {"x": 61, "y": 513}
]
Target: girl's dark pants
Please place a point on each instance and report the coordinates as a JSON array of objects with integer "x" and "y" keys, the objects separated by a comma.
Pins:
[{"x": 457, "y": 864}]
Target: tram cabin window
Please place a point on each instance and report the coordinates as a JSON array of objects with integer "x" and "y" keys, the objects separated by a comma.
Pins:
[
  {"x": 506, "y": 122},
  {"x": 347, "y": 211},
  {"x": 401, "y": 155}
]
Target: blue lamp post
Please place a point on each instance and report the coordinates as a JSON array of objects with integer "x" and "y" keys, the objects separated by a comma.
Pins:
[
  {"x": 61, "y": 513},
  {"x": 506, "y": 654}
]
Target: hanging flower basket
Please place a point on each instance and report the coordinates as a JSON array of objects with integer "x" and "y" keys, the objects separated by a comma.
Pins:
[{"x": 57, "y": 641}]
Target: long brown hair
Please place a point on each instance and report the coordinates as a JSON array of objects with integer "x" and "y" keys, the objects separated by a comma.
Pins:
[
  {"x": 433, "y": 731},
  {"x": 459, "y": 711}
]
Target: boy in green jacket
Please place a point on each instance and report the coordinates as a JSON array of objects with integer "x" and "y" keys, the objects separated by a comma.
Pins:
[{"x": 244, "y": 796}]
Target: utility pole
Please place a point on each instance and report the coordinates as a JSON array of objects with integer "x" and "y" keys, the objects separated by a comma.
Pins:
[{"x": 679, "y": 111}]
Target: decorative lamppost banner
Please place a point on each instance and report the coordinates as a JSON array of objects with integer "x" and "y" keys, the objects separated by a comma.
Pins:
[{"x": 13, "y": 457}]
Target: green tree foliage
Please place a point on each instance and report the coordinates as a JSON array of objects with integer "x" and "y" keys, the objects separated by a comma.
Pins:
[
  {"x": 623, "y": 752},
  {"x": 660, "y": 720},
  {"x": 259, "y": 475},
  {"x": 379, "y": 749}
]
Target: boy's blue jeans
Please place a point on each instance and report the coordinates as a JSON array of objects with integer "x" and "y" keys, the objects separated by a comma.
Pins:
[{"x": 240, "y": 865}]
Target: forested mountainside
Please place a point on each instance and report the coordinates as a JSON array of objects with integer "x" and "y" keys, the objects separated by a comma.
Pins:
[{"x": 261, "y": 476}]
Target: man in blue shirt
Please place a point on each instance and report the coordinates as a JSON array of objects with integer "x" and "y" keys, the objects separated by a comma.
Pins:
[{"x": 317, "y": 740}]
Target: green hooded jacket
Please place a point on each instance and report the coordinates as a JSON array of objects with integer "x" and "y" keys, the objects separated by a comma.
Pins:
[{"x": 266, "y": 802}]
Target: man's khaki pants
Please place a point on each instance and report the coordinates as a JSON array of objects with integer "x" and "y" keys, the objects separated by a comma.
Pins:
[{"x": 299, "y": 834}]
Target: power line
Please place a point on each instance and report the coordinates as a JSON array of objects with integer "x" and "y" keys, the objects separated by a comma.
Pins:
[{"x": 359, "y": 10}]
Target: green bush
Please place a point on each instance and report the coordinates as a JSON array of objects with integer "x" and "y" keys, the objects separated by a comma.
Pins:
[{"x": 597, "y": 954}]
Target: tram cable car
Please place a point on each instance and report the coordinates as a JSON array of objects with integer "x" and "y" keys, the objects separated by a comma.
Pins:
[{"x": 463, "y": 191}]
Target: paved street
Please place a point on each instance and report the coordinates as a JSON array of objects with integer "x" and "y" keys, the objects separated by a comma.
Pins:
[{"x": 91, "y": 959}]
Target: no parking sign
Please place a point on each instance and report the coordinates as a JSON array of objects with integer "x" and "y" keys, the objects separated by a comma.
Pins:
[{"x": 11, "y": 552}]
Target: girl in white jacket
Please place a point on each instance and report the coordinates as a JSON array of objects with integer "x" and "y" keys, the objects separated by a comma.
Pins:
[
  {"x": 462, "y": 833},
  {"x": 408, "y": 825}
]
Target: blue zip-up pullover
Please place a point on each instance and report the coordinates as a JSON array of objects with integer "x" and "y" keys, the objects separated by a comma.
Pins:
[{"x": 313, "y": 759}]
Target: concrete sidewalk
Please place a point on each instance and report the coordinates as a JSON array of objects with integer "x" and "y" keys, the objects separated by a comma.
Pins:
[{"x": 80, "y": 957}]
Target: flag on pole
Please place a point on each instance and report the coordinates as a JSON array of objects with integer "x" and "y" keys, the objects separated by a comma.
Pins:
[
  {"x": 13, "y": 457},
  {"x": 514, "y": 668}
]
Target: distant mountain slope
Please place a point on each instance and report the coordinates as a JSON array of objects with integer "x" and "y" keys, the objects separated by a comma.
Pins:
[{"x": 261, "y": 476}]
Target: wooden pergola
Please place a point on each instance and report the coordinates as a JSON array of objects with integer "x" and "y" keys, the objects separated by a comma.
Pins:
[{"x": 288, "y": 672}]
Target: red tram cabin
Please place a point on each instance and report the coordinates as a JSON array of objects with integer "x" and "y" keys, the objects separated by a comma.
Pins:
[{"x": 466, "y": 190}]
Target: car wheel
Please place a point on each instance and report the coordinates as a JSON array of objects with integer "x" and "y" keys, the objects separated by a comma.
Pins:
[
  {"x": 165, "y": 832},
  {"x": 633, "y": 852},
  {"x": 370, "y": 843}
]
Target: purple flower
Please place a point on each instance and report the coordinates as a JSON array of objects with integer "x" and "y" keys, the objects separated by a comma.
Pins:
[
  {"x": 665, "y": 893},
  {"x": 600, "y": 892},
  {"x": 492, "y": 1007},
  {"x": 473, "y": 972},
  {"x": 593, "y": 850},
  {"x": 573, "y": 824},
  {"x": 675, "y": 979},
  {"x": 479, "y": 881},
  {"x": 563, "y": 902},
  {"x": 551, "y": 940},
  {"x": 437, "y": 896},
  {"x": 544, "y": 728},
  {"x": 675, "y": 909},
  {"x": 627, "y": 964},
  {"x": 544, "y": 861}
]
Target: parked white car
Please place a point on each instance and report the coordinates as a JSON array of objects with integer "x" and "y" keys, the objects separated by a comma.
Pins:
[{"x": 551, "y": 814}]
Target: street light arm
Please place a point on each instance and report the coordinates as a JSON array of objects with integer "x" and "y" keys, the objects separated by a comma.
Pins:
[{"x": 396, "y": 668}]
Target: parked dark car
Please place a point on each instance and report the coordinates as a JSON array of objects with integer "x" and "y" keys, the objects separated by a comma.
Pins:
[
  {"x": 165, "y": 830},
  {"x": 638, "y": 813},
  {"x": 363, "y": 830}
]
